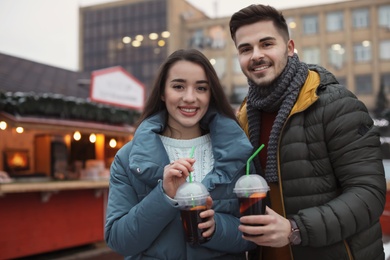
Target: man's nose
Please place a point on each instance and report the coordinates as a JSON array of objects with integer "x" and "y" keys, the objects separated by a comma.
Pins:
[{"x": 257, "y": 54}]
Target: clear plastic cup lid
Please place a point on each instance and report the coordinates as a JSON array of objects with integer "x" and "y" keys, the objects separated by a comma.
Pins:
[
  {"x": 251, "y": 183},
  {"x": 190, "y": 191}
]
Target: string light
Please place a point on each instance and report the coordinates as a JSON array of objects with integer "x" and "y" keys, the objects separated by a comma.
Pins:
[
  {"x": 19, "y": 129},
  {"x": 92, "y": 138},
  {"x": 3, "y": 125},
  {"x": 77, "y": 136},
  {"x": 112, "y": 143}
]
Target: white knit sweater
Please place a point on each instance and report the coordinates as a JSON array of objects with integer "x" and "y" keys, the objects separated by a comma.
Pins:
[{"x": 203, "y": 154}]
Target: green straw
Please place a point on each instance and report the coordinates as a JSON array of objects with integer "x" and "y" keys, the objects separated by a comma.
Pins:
[
  {"x": 251, "y": 158},
  {"x": 192, "y": 156}
]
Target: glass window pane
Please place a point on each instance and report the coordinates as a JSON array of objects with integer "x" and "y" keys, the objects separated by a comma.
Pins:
[
  {"x": 362, "y": 51},
  {"x": 363, "y": 84},
  {"x": 385, "y": 82},
  {"x": 334, "y": 21},
  {"x": 336, "y": 55},
  {"x": 360, "y": 18},
  {"x": 220, "y": 66},
  {"x": 239, "y": 94},
  {"x": 384, "y": 16},
  {"x": 311, "y": 55},
  {"x": 310, "y": 24},
  {"x": 291, "y": 25},
  {"x": 236, "y": 65},
  {"x": 384, "y": 50}
]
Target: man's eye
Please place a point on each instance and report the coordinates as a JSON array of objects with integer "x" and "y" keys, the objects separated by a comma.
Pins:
[{"x": 243, "y": 50}]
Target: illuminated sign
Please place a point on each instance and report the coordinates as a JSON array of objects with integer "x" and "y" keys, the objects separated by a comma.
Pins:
[{"x": 115, "y": 86}]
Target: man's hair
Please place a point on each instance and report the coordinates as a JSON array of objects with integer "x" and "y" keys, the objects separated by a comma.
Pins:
[{"x": 257, "y": 13}]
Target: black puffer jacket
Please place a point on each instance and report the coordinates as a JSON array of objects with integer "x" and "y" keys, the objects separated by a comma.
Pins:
[{"x": 331, "y": 172}]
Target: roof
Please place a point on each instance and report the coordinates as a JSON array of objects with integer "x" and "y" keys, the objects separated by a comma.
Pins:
[
  {"x": 33, "y": 90},
  {"x": 17, "y": 74}
]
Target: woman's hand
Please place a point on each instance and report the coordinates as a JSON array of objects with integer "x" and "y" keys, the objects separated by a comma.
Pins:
[
  {"x": 175, "y": 174},
  {"x": 209, "y": 225}
]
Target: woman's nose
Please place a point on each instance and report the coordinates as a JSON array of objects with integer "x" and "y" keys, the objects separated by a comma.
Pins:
[{"x": 189, "y": 95}]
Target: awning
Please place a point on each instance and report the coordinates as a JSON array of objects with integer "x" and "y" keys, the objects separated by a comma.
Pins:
[
  {"x": 62, "y": 125},
  {"x": 54, "y": 112}
]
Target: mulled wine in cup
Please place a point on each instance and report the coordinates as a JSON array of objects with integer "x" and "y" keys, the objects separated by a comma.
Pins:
[
  {"x": 251, "y": 191},
  {"x": 191, "y": 197}
]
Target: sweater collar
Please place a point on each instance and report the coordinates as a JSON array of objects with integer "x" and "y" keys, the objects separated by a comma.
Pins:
[{"x": 225, "y": 134}]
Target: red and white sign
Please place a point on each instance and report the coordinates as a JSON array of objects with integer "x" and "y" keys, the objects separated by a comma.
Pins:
[{"x": 115, "y": 86}]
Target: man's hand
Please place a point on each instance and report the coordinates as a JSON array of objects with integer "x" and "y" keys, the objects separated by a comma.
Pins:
[{"x": 271, "y": 229}]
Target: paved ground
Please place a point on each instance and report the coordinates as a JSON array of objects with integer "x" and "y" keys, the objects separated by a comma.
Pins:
[
  {"x": 100, "y": 251},
  {"x": 97, "y": 251}
]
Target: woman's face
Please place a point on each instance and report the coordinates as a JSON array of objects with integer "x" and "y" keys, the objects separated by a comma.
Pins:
[{"x": 187, "y": 96}]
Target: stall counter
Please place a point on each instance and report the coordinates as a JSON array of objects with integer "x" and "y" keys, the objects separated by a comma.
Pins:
[{"x": 40, "y": 217}]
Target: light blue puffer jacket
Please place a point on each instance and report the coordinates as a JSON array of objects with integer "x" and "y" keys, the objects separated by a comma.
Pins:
[{"x": 143, "y": 223}]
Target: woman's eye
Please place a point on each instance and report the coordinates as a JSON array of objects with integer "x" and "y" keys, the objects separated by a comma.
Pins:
[
  {"x": 201, "y": 88},
  {"x": 177, "y": 86}
]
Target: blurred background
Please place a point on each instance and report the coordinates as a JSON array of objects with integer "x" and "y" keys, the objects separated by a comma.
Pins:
[{"x": 74, "y": 76}]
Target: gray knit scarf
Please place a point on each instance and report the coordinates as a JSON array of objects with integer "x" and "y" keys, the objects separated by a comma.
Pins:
[{"x": 279, "y": 96}]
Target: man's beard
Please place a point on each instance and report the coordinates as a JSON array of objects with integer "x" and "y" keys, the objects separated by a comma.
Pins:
[{"x": 265, "y": 88}]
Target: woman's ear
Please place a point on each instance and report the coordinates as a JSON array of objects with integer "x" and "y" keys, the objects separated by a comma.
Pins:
[{"x": 163, "y": 98}]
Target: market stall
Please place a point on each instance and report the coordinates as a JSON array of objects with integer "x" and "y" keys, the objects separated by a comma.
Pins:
[{"x": 56, "y": 153}]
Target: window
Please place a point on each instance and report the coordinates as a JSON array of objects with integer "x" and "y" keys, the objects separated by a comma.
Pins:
[
  {"x": 291, "y": 25},
  {"x": 362, "y": 51},
  {"x": 360, "y": 18},
  {"x": 334, "y": 21},
  {"x": 336, "y": 55},
  {"x": 311, "y": 55},
  {"x": 384, "y": 50},
  {"x": 197, "y": 39},
  {"x": 342, "y": 81},
  {"x": 220, "y": 67},
  {"x": 385, "y": 82},
  {"x": 310, "y": 24},
  {"x": 217, "y": 37},
  {"x": 384, "y": 16},
  {"x": 239, "y": 94},
  {"x": 363, "y": 84},
  {"x": 236, "y": 65}
]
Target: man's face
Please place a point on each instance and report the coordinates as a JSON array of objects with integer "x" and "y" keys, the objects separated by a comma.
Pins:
[{"x": 262, "y": 52}]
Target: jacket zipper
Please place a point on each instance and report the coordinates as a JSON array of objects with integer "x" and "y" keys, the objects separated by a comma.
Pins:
[{"x": 350, "y": 257}]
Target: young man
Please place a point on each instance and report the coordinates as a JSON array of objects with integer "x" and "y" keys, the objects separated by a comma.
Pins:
[{"x": 323, "y": 159}]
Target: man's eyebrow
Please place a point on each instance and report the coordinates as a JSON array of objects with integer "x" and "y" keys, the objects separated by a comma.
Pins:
[
  {"x": 243, "y": 45},
  {"x": 268, "y": 38}
]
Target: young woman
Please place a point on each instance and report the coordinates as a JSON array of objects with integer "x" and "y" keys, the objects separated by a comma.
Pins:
[{"x": 187, "y": 107}]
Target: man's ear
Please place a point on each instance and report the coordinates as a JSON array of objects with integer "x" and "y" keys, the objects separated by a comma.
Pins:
[{"x": 290, "y": 47}]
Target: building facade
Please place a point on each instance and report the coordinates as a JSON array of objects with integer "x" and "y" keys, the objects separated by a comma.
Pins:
[
  {"x": 350, "y": 38},
  {"x": 135, "y": 34}
]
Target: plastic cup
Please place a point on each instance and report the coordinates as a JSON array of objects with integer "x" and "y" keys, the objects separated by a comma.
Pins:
[
  {"x": 191, "y": 197},
  {"x": 251, "y": 191}
]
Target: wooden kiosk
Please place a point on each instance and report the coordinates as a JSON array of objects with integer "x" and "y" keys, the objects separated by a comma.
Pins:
[{"x": 53, "y": 201}]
